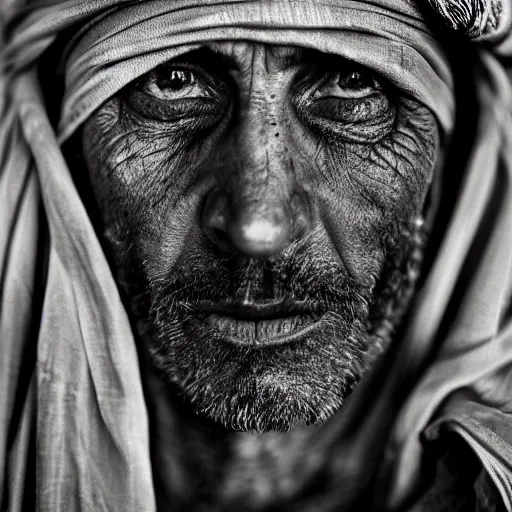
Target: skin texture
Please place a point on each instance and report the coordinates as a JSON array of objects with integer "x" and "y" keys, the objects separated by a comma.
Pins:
[{"x": 255, "y": 174}]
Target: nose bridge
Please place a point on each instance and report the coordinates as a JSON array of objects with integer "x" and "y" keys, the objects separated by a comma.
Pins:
[
  {"x": 257, "y": 206},
  {"x": 262, "y": 171}
]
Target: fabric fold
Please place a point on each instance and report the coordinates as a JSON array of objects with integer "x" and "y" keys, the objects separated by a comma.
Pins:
[{"x": 90, "y": 400}]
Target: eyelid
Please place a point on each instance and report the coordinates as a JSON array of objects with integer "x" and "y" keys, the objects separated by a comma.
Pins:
[
  {"x": 331, "y": 79},
  {"x": 346, "y": 93},
  {"x": 152, "y": 87},
  {"x": 363, "y": 119},
  {"x": 208, "y": 107},
  {"x": 211, "y": 84}
]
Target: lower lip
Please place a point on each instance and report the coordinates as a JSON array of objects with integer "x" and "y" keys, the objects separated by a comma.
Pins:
[{"x": 261, "y": 332}]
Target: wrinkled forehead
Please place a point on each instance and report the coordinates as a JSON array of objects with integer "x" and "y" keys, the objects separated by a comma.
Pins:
[{"x": 121, "y": 43}]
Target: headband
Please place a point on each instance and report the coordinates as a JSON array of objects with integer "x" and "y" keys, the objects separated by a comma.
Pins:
[{"x": 122, "y": 44}]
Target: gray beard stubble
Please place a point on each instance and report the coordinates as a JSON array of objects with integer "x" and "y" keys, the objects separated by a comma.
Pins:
[{"x": 277, "y": 388}]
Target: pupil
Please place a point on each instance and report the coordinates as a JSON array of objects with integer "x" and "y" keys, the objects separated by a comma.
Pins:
[
  {"x": 353, "y": 80},
  {"x": 179, "y": 79}
]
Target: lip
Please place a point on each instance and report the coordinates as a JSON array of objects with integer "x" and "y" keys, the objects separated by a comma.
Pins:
[{"x": 262, "y": 323}]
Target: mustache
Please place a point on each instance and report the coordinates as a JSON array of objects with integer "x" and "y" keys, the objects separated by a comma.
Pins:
[{"x": 297, "y": 277}]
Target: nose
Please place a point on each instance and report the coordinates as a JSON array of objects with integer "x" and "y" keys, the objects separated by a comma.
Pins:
[
  {"x": 256, "y": 229},
  {"x": 258, "y": 206}
]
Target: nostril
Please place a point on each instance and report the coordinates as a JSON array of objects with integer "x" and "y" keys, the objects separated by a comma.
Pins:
[
  {"x": 219, "y": 238},
  {"x": 214, "y": 217},
  {"x": 219, "y": 235}
]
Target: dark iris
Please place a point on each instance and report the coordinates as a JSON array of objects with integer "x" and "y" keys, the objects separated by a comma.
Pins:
[
  {"x": 179, "y": 79},
  {"x": 354, "y": 80}
]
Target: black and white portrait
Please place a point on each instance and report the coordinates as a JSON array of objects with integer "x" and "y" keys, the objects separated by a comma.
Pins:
[{"x": 256, "y": 255}]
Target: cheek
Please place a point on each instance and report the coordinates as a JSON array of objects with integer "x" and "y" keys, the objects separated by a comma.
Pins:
[
  {"x": 148, "y": 202},
  {"x": 367, "y": 191},
  {"x": 149, "y": 187}
]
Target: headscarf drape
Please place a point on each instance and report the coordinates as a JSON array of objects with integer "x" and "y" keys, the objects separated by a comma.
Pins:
[{"x": 85, "y": 392}]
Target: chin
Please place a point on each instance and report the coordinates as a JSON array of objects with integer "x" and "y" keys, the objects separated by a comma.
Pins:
[{"x": 276, "y": 383}]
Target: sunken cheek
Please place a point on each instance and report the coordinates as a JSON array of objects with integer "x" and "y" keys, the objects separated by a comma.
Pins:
[
  {"x": 146, "y": 176},
  {"x": 367, "y": 190},
  {"x": 388, "y": 179}
]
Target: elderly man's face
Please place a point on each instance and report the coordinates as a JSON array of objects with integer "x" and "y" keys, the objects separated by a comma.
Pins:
[{"x": 260, "y": 205}]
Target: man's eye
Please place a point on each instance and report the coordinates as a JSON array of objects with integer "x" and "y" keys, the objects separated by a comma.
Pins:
[
  {"x": 350, "y": 104},
  {"x": 176, "y": 84},
  {"x": 351, "y": 84},
  {"x": 175, "y": 92}
]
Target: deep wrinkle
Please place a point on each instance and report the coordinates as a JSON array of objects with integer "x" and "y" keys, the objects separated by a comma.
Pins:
[{"x": 344, "y": 189}]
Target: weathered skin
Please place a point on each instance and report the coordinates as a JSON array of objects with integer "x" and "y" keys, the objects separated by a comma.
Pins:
[{"x": 269, "y": 173}]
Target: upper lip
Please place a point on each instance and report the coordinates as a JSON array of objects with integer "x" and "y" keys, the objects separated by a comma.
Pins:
[{"x": 264, "y": 310}]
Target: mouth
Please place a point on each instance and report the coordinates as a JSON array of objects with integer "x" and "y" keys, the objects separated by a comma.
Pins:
[{"x": 261, "y": 324}]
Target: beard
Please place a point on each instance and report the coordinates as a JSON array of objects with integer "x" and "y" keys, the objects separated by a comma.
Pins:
[{"x": 246, "y": 387}]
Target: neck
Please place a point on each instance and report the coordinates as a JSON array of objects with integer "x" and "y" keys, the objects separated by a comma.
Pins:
[
  {"x": 201, "y": 467},
  {"x": 197, "y": 463}
]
